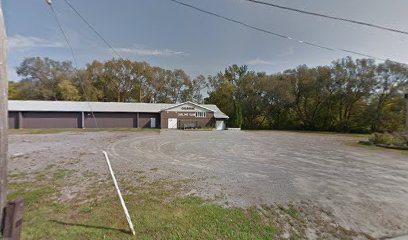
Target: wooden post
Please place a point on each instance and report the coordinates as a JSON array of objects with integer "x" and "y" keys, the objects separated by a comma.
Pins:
[
  {"x": 3, "y": 118},
  {"x": 13, "y": 219}
]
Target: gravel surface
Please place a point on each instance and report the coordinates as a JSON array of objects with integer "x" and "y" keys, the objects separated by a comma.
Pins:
[{"x": 362, "y": 189}]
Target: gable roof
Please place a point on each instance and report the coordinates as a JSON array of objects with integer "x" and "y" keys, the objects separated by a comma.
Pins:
[{"x": 188, "y": 102}]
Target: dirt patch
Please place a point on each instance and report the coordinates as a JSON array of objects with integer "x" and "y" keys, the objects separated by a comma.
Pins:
[{"x": 320, "y": 186}]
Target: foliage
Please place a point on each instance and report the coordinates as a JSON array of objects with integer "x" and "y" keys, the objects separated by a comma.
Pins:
[
  {"x": 68, "y": 90},
  {"x": 116, "y": 80},
  {"x": 347, "y": 96},
  {"x": 41, "y": 79},
  {"x": 13, "y": 90},
  {"x": 394, "y": 139},
  {"x": 156, "y": 209}
]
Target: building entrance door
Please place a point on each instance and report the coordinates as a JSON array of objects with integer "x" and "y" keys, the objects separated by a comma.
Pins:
[
  {"x": 172, "y": 123},
  {"x": 153, "y": 122}
]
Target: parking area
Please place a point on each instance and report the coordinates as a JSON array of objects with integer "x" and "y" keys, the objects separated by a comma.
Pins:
[{"x": 363, "y": 189}]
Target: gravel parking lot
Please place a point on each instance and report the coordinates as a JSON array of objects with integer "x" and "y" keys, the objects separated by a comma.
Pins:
[{"x": 363, "y": 189}]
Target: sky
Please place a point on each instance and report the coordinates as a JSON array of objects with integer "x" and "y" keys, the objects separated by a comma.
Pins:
[{"x": 171, "y": 36}]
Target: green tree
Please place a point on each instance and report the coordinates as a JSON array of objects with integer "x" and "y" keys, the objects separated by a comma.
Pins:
[
  {"x": 13, "y": 91},
  {"x": 68, "y": 91},
  {"x": 221, "y": 94},
  {"x": 311, "y": 91},
  {"x": 391, "y": 78},
  {"x": 278, "y": 101},
  {"x": 41, "y": 77},
  {"x": 225, "y": 92},
  {"x": 353, "y": 84},
  {"x": 198, "y": 85}
]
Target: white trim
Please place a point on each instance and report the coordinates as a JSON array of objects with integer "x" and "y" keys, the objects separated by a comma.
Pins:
[{"x": 188, "y": 102}]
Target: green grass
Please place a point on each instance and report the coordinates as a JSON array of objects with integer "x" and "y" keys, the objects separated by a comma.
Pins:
[
  {"x": 290, "y": 210},
  {"x": 60, "y": 130},
  {"x": 375, "y": 148},
  {"x": 156, "y": 210},
  {"x": 314, "y": 132}
]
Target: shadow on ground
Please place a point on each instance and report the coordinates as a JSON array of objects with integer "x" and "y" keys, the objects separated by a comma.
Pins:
[{"x": 90, "y": 226}]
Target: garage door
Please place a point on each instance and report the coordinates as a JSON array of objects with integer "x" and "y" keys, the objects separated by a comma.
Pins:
[
  {"x": 110, "y": 120},
  {"x": 219, "y": 125},
  {"x": 51, "y": 120},
  {"x": 172, "y": 123},
  {"x": 13, "y": 120}
]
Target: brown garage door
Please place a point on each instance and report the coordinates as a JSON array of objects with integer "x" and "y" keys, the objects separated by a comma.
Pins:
[
  {"x": 51, "y": 120},
  {"x": 111, "y": 120},
  {"x": 12, "y": 120}
]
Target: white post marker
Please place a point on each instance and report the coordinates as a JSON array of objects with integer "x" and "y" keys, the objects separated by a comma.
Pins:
[{"x": 120, "y": 195}]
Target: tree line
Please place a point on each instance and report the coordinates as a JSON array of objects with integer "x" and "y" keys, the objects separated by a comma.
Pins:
[
  {"x": 347, "y": 95},
  {"x": 116, "y": 80}
]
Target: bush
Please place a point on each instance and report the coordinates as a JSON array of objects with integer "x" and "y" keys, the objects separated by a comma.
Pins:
[{"x": 394, "y": 139}]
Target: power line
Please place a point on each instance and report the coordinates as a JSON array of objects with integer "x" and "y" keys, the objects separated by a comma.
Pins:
[
  {"x": 330, "y": 17},
  {"x": 54, "y": 14},
  {"x": 93, "y": 28},
  {"x": 73, "y": 58},
  {"x": 277, "y": 34},
  {"x": 251, "y": 26}
]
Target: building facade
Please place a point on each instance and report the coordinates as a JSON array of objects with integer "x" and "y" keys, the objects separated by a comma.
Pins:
[{"x": 66, "y": 114}]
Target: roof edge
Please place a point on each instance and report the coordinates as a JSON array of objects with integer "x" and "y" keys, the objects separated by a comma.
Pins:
[{"x": 188, "y": 102}]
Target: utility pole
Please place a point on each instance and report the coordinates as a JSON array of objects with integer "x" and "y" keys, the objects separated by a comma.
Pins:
[
  {"x": 3, "y": 117},
  {"x": 406, "y": 114}
]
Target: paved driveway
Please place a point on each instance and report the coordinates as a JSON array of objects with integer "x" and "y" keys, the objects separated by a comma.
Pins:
[{"x": 364, "y": 189}]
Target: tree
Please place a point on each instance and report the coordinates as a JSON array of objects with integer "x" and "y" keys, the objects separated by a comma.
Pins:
[
  {"x": 41, "y": 77},
  {"x": 86, "y": 86},
  {"x": 68, "y": 91},
  {"x": 221, "y": 94},
  {"x": 13, "y": 91},
  {"x": 353, "y": 83},
  {"x": 250, "y": 108},
  {"x": 199, "y": 84},
  {"x": 278, "y": 102},
  {"x": 348, "y": 95},
  {"x": 180, "y": 87},
  {"x": 120, "y": 80},
  {"x": 311, "y": 90},
  {"x": 391, "y": 78}
]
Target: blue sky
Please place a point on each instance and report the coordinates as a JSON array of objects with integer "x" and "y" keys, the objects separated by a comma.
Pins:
[{"x": 171, "y": 36}]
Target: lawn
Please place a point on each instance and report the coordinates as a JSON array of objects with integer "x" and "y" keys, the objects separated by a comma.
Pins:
[
  {"x": 314, "y": 132},
  {"x": 157, "y": 210},
  {"x": 375, "y": 148}
]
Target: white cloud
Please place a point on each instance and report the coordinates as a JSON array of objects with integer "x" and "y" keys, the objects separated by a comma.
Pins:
[
  {"x": 19, "y": 41},
  {"x": 150, "y": 52},
  {"x": 255, "y": 62}
]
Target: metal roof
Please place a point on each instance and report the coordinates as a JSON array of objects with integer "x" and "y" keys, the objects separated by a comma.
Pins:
[{"x": 71, "y": 106}]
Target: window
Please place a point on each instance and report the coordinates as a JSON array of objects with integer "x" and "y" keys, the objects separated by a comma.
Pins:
[{"x": 201, "y": 114}]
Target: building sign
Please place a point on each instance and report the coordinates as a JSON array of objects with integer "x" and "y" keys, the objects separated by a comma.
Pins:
[
  {"x": 188, "y": 108},
  {"x": 186, "y": 114}
]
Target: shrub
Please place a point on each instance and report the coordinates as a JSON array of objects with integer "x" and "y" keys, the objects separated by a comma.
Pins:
[{"x": 395, "y": 139}]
